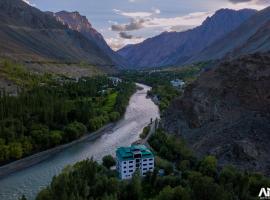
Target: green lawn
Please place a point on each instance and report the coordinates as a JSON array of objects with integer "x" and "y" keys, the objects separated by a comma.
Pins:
[{"x": 110, "y": 102}]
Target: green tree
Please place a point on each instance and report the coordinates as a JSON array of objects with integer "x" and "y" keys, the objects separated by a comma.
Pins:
[
  {"x": 56, "y": 137},
  {"x": 177, "y": 193},
  {"x": 15, "y": 150},
  {"x": 4, "y": 151},
  {"x": 208, "y": 166},
  {"x": 23, "y": 198},
  {"x": 108, "y": 161},
  {"x": 74, "y": 130}
]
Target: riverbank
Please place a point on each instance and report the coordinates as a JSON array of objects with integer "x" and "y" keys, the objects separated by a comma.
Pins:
[
  {"x": 29, "y": 181},
  {"x": 42, "y": 156}
]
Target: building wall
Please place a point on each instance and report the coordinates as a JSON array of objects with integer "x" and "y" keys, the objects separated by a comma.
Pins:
[{"x": 127, "y": 168}]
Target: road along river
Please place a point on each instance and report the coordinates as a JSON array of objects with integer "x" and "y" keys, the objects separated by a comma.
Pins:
[{"x": 31, "y": 180}]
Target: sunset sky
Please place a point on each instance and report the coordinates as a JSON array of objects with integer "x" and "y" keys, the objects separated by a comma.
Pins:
[{"x": 123, "y": 22}]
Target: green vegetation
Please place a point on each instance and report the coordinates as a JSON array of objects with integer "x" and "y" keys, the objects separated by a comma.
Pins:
[
  {"x": 108, "y": 161},
  {"x": 165, "y": 94},
  {"x": 145, "y": 132},
  {"x": 185, "y": 178},
  {"x": 20, "y": 76},
  {"x": 62, "y": 110},
  {"x": 159, "y": 80}
]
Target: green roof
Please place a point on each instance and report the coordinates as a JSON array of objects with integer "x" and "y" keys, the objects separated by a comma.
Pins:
[{"x": 126, "y": 153}]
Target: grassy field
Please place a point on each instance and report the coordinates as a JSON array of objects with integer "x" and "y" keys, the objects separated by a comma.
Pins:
[{"x": 110, "y": 102}]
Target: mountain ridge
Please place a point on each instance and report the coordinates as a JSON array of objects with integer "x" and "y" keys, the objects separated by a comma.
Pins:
[
  {"x": 177, "y": 47},
  {"x": 76, "y": 21},
  {"x": 231, "y": 44},
  {"x": 30, "y": 35}
]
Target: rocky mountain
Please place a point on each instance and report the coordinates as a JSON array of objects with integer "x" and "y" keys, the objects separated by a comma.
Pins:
[
  {"x": 77, "y": 22},
  {"x": 250, "y": 37},
  {"x": 226, "y": 113},
  {"x": 174, "y": 48},
  {"x": 29, "y": 34}
]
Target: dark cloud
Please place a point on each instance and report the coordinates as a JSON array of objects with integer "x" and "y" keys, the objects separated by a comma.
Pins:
[
  {"x": 256, "y": 1},
  {"x": 125, "y": 35},
  {"x": 239, "y": 1},
  {"x": 134, "y": 24},
  {"x": 181, "y": 28}
]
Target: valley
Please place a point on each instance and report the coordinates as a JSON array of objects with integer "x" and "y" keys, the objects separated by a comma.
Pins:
[{"x": 78, "y": 83}]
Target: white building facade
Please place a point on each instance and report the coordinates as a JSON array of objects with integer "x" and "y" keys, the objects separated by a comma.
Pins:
[{"x": 132, "y": 159}]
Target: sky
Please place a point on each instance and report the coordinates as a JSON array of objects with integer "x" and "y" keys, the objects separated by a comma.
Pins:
[{"x": 124, "y": 22}]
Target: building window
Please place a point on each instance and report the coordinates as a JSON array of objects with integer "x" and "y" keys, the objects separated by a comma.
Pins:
[
  {"x": 137, "y": 155},
  {"x": 125, "y": 172},
  {"x": 150, "y": 159},
  {"x": 124, "y": 162},
  {"x": 130, "y": 170},
  {"x": 131, "y": 166},
  {"x": 144, "y": 169},
  {"x": 144, "y": 164},
  {"x": 131, "y": 161},
  {"x": 151, "y": 168}
]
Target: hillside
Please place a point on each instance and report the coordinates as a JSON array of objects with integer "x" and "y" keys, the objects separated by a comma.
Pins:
[
  {"x": 175, "y": 48},
  {"x": 226, "y": 113},
  {"x": 77, "y": 22},
  {"x": 27, "y": 34}
]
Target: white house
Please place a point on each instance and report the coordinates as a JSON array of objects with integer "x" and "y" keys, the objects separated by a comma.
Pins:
[
  {"x": 134, "y": 158},
  {"x": 178, "y": 83},
  {"x": 115, "y": 80}
]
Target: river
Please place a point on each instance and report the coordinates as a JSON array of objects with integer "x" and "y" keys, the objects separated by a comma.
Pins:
[{"x": 31, "y": 180}]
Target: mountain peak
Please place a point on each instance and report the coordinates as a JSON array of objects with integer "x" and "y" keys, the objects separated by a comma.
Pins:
[
  {"x": 226, "y": 15},
  {"x": 74, "y": 20},
  {"x": 176, "y": 48}
]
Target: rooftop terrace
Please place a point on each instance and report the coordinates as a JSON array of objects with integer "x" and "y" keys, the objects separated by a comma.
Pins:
[{"x": 127, "y": 153}]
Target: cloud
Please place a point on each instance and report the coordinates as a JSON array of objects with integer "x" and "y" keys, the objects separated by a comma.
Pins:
[
  {"x": 190, "y": 20},
  {"x": 156, "y": 11},
  {"x": 179, "y": 28},
  {"x": 135, "y": 24},
  {"x": 253, "y": 4},
  {"x": 239, "y": 1},
  {"x": 125, "y": 35},
  {"x": 150, "y": 21},
  {"x": 118, "y": 43},
  {"x": 133, "y": 14},
  {"x": 251, "y": 1}
]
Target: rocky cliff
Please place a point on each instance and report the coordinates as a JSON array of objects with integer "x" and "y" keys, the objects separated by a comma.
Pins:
[{"x": 226, "y": 113}]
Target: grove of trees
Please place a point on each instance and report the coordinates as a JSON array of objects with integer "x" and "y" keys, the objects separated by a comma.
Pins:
[
  {"x": 56, "y": 113},
  {"x": 185, "y": 178}
]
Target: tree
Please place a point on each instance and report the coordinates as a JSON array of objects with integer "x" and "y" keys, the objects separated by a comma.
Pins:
[
  {"x": 108, "y": 161},
  {"x": 177, "y": 193},
  {"x": 4, "y": 151},
  {"x": 23, "y": 198},
  {"x": 208, "y": 166},
  {"x": 135, "y": 189},
  {"x": 15, "y": 150},
  {"x": 74, "y": 130},
  {"x": 56, "y": 137}
]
